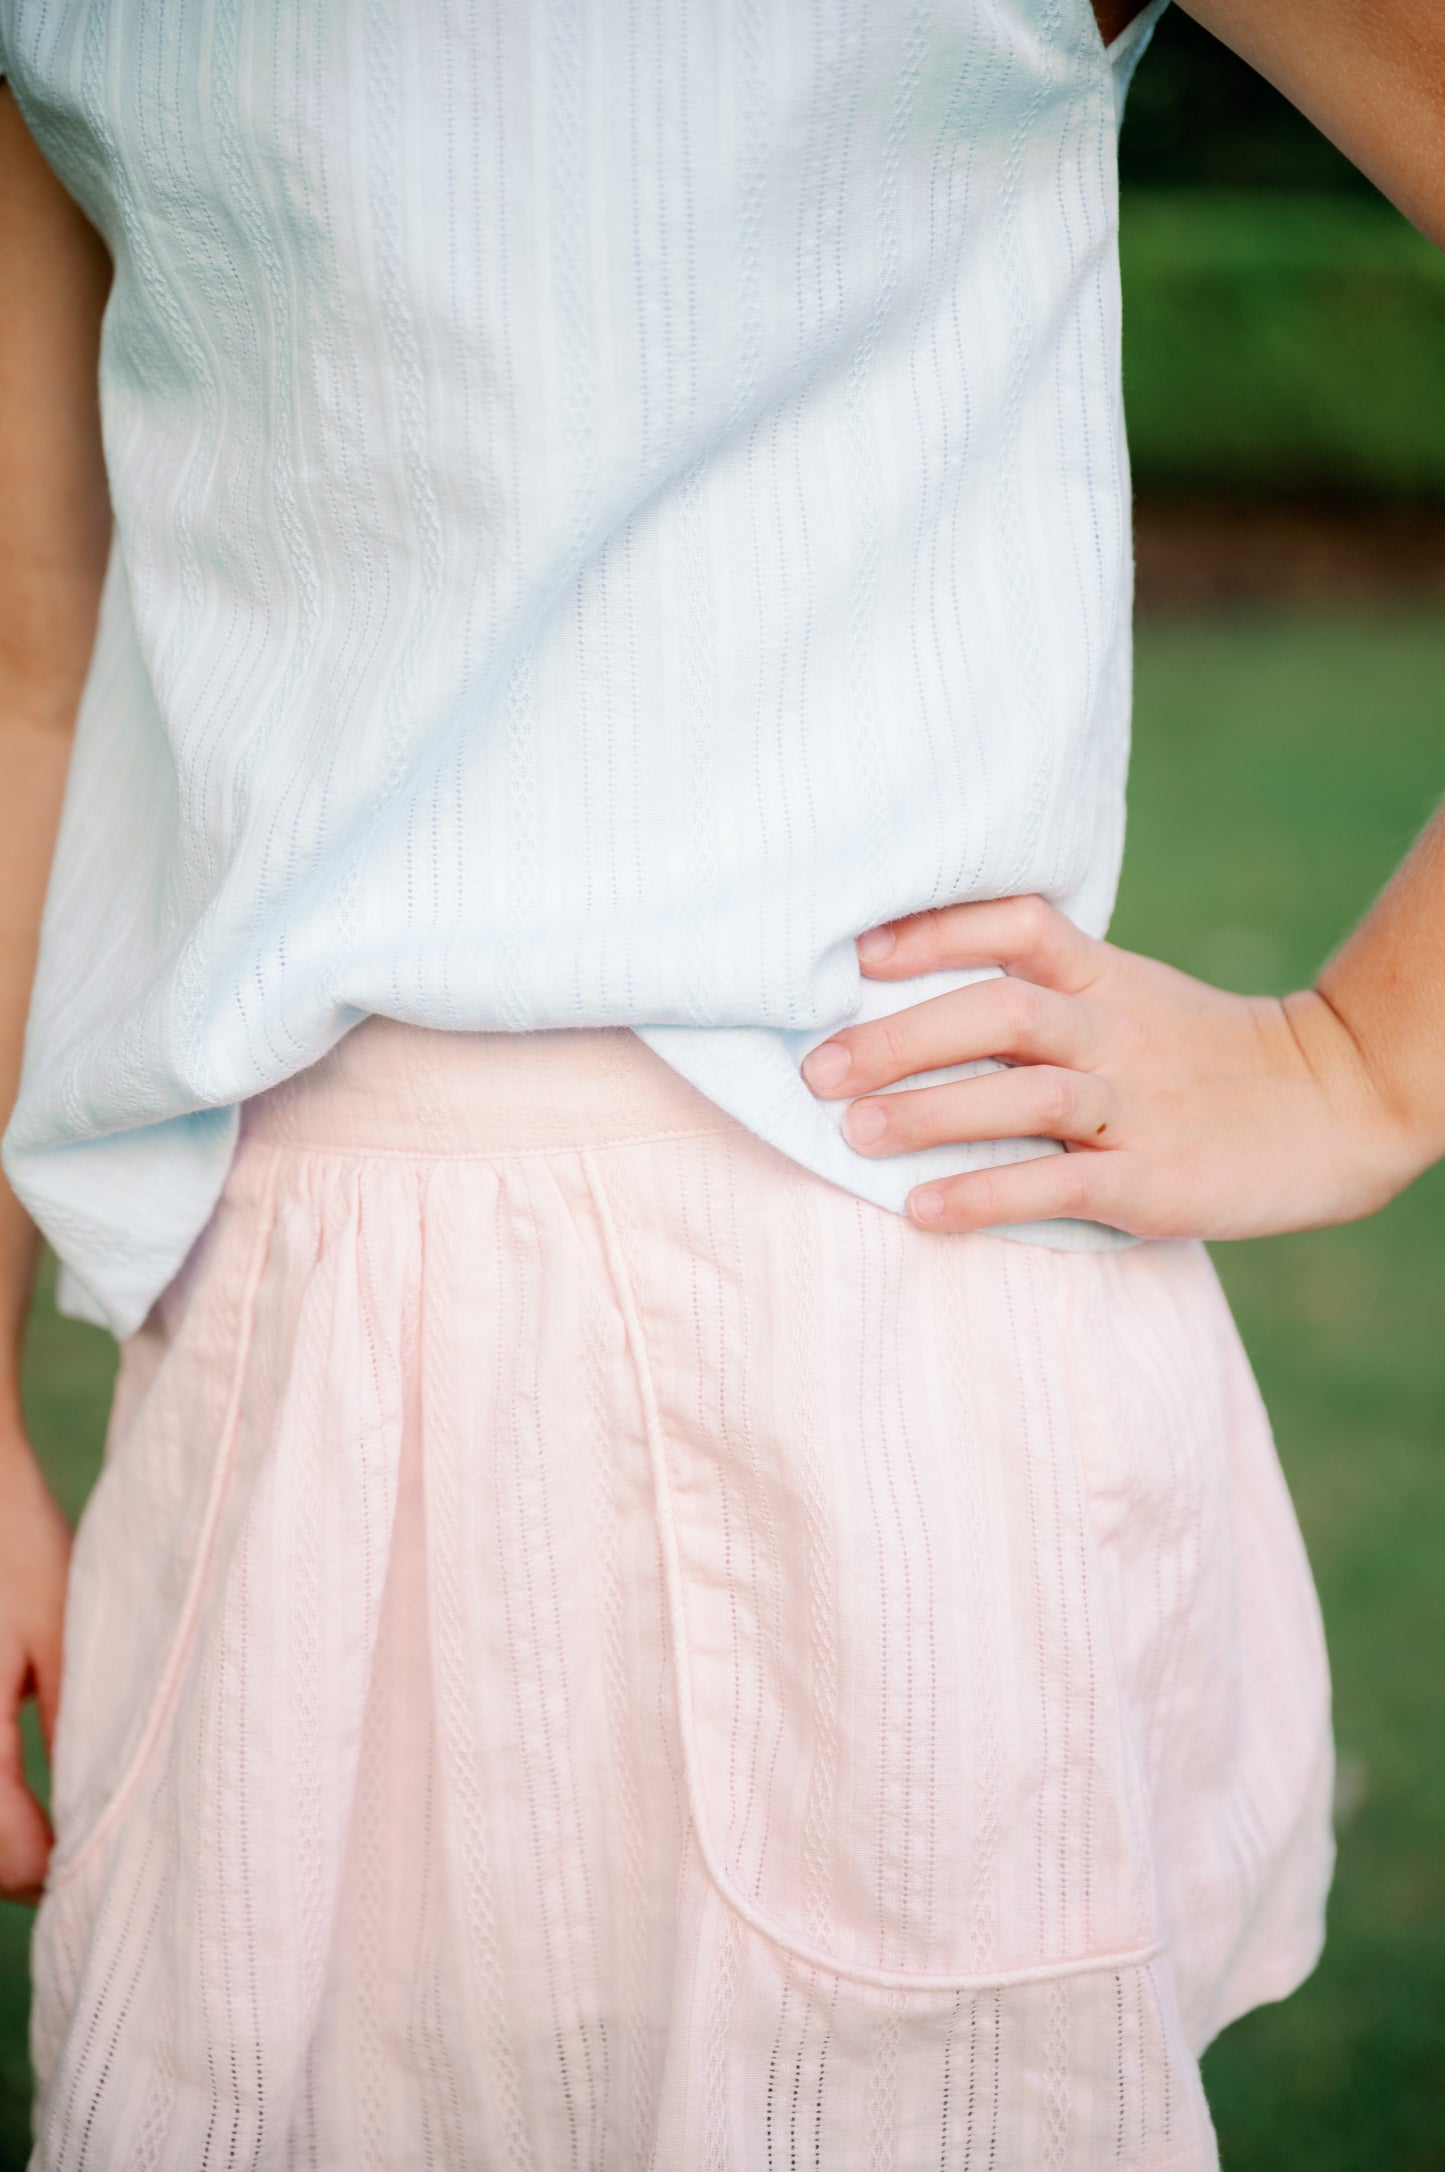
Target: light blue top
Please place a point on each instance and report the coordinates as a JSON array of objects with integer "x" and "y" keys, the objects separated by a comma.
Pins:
[{"x": 611, "y": 501}]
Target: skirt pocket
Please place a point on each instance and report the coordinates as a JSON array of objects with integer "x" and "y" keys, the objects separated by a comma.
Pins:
[{"x": 909, "y": 1756}]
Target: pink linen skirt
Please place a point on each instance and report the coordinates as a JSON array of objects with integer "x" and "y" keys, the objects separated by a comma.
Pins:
[{"x": 594, "y": 1647}]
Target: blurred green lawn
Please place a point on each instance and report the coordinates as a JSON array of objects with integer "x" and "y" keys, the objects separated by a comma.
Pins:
[{"x": 1280, "y": 768}]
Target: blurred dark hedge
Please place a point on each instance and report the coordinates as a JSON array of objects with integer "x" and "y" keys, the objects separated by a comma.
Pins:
[
  {"x": 1284, "y": 326},
  {"x": 1198, "y": 118}
]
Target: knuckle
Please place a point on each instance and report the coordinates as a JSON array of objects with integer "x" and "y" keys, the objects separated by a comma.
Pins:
[
  {"x": 1056, "y": 1099},
  {"x": 1034, "y": 917},
  {"x": 1019, "y": 1008},
  {"x": 928, "y": 935},
  {"x": 928, "y": 928},
  {"x": 888, "y": 1050},
  {"x": 1074, "y": 1185},
  {"x": 975, "y": 1196}
]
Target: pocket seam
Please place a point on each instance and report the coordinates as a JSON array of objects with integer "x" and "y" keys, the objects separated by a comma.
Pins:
[
  {"x": 758, "y": 1919},
  {"x": 65, "y": 1869}
]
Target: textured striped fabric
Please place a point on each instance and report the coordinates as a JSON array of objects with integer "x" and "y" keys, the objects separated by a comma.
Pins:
[
  {"x": 615, "y": 497},
  {"x": 595, "y": 1647}
]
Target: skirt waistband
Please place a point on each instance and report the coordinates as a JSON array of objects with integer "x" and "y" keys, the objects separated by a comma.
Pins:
[{"x": 387, "y": 1087}]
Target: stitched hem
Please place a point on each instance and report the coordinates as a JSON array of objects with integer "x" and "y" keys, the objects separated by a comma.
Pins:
[{"x": 1266, "y": 1984}]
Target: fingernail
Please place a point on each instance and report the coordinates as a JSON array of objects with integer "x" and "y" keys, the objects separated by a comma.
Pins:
[
  {"x": 876, "y": 944},
  {"x": 827, "y": 1065},
  {"x": 926, "y": 1206},
  {"x": 866, "y": 1122}
]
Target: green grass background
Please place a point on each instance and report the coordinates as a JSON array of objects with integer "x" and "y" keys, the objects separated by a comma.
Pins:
[{"x": 1281, "y": 766}]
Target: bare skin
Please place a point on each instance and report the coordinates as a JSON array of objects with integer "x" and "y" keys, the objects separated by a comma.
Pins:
[
  {"x": 54, "y": 275},
  {"x": 1221, "y": 1114},
  {"x": 1114, "y": 16}
]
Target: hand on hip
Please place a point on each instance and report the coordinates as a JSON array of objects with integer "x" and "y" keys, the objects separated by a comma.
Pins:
[{"x": 1188, "y": 1111}]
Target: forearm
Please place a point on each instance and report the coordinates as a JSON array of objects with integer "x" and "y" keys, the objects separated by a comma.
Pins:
[
  {"x": 1369, "y": 73},
  {"x": 34, "y": 756},
  {"x": 54, "y": 275}
]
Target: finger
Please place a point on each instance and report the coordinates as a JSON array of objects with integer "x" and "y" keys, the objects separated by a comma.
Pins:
[
  {"x": 1030, "y": 1101},
  {"x": 47, "y": 1678},
  {"x": 24, "y": 1829},
  {"x": 1009, "y": 1018},
  {"x": 1082, "y": 1187},
  {"x": 1025, "y": 935}
]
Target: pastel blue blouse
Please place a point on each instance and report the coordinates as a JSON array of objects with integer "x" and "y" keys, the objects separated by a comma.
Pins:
[{"x": 611, "y": 500}]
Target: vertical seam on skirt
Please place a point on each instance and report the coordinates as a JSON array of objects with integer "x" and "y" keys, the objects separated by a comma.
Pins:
[
  {"x": 757, "y": 1919},
  {"x": 163, "y": 1701}
]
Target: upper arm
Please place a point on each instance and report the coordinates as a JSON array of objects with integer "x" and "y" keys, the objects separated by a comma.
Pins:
[
  {"x": 54, "y": 507},
  {"x": 1369, "y": 73}
]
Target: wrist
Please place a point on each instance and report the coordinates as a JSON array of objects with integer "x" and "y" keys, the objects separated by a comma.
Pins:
[{"x": 1396, "y": 1129}]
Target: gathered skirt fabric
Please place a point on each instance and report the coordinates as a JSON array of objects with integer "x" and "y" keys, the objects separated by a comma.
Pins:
[{"x": 593, "y": 1647}]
